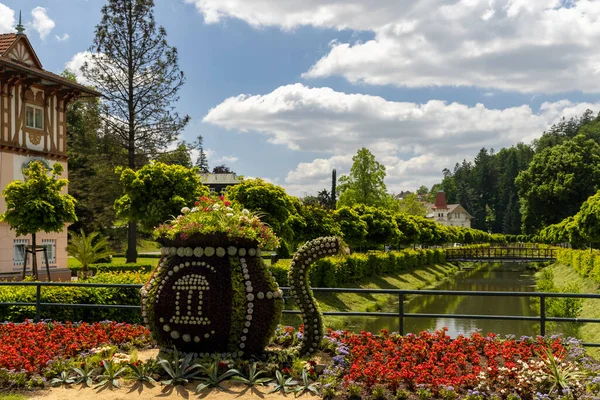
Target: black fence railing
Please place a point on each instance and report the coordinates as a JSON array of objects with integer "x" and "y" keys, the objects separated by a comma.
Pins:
[
  {"x": 501, "y": 253},
  {"x": 401, "y": 314}
]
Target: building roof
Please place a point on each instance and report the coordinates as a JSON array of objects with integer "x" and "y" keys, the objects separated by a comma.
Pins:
[
  {"x": 220, "y": 179},
  {"x": 6, "y": 40},
  {"x": 440, "y": 201},
  {"x": 458, "y": 208},
  {"x": 44, "y": 77}
]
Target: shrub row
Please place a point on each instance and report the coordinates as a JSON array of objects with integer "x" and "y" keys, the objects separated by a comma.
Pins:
[
  {"x": 95, "y": 268},
  {"x": 585, "y": 262},
  {"x": 76, "y": 295},
  {"x": 338, "y": 271}
]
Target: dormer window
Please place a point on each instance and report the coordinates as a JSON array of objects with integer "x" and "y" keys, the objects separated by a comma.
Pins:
[{"x": 34, "y": 117}]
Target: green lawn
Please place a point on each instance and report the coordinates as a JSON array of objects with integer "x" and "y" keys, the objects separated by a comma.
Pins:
[
  {"x": 564, "y": 275},
  {"x": 120, "y": 260}
]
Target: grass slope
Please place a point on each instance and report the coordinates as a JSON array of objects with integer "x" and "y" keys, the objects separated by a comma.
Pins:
[
  {"x": 412, "y": 279},
  {"x": 564, "y": 275}
]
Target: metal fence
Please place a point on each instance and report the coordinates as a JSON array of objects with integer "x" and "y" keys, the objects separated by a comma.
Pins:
[
  {"x": 401, "y": 314},
  {"x": 501, "y": 253}
]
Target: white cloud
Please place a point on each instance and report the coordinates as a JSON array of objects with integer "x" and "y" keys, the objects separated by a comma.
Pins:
[
  {"x": 7, "y": 19},
  {"x": 526, "y": 46},
  {"x": 63, "y": 37},
  {"x": 76, "y": 62},
  {"x": 414, "y": 141},
  {"x": 42, "y": 23}
]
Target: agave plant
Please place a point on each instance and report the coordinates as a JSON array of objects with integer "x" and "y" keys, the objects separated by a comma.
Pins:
[
  {"x": 306, "y": 385},
  {"x": 84, "y": 374},
  {"x": 110, "y": 375},
  {"x": 283, "y": 384},
  {"x": 212, "y": 378},
  {"x": 253, "y": 377},
  {"x": 142, "y": 371},
  {"x": 180, "y": 371},
  {"x": 62, "y": 379},
  {"x": 88, "y": 249}
]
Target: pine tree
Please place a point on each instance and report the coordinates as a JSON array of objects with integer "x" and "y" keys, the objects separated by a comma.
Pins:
[
  {"x": 333, "y": 189},
  {"x": 138, "y": 73},
  {"x": 201, "y": 161}
]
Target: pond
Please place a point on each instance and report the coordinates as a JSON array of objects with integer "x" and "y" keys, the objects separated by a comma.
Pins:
[{"x": 508, "y": 277}]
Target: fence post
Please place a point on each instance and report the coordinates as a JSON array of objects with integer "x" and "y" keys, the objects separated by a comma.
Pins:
[
  {"x": 401, "y": 313},
  {"x": 38, "y": 300},
  {"x": 542, "y": 315}
]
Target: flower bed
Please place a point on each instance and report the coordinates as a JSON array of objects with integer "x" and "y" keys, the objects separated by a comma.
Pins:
[
  {"x": 31, "y": 347},
  {"x": 433, "y": 365},
  {"x": 430, "y": 365}
]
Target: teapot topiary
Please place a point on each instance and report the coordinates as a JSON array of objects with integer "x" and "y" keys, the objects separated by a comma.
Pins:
[{"x": 212, "y": 292}]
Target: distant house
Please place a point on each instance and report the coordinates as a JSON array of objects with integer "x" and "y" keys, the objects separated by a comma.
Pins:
[
  {"x": 449, "y": 214},
  {"x": 218, "y": 183}
]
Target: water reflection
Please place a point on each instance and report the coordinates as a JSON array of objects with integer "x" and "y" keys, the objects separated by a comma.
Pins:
[{"x": 485, "y": 277}]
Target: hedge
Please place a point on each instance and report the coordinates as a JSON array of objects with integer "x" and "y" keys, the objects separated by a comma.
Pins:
[
  {"x": 338, "y": 271},
  {"x": 585, "y": 262},
  {"x": 113, "y": 268},
  {"x": 76, "y": 295}
]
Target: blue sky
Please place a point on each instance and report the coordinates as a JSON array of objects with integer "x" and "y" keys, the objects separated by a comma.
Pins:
[{"x": 423, "y": 85}]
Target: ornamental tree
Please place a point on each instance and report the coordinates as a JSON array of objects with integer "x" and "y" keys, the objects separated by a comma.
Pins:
[
  {"x": 273, "y": 204},
  {"x": 157, "y": 192},
  {"x": 37, "y": 204}
]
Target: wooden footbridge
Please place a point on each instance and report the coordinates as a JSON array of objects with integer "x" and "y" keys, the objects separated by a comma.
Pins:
[{"x": 501, "y": 254}]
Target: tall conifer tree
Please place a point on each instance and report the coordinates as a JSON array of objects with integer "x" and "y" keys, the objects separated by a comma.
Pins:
[{"x": 138, "y": 73}]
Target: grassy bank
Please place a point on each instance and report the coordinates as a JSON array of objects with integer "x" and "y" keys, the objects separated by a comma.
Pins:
[
  {"x": 563, "y": 276},
  {"x": 411, "y": 279}
]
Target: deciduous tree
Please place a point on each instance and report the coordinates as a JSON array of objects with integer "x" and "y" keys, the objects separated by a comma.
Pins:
[
  {"x": 365, "y": 182},
  {"x": 37, "y": 203}
]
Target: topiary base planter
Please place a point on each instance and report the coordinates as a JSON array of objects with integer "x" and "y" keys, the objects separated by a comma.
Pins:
[{"x": 210, "y": 295}]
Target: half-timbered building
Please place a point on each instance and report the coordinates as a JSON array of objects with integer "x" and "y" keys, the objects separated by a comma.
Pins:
[{"x": 33, "y": 104}]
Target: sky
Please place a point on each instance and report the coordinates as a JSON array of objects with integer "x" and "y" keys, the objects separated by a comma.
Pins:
[{"x": 287, "y": 90}]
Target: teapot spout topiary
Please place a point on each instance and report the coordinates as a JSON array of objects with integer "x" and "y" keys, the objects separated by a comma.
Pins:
[{"x": 212, "y": 292}]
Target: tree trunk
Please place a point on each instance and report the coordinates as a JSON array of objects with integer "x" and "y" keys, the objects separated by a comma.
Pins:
[
  {"x": 131, "y": 242},
  {"x": 34, "y": 268}
]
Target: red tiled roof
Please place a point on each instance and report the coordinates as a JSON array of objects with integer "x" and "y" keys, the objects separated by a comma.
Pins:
[
  {"x": 440, "y": 200},
  {"x": 6, "y": 40}
]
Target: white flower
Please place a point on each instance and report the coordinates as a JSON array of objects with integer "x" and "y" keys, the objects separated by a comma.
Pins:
[
  {"x": 229, "y": 214},
  {"x": 245, "y": 212},
  {"x": 185, "y": 210},
  {"x": 195, "y": 209},
  {"x": 215, "y": 207},
  {"x": 228, "y": 209}
]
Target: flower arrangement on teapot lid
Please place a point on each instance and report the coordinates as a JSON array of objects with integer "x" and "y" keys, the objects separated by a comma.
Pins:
[{"x": 211, "y": 216}]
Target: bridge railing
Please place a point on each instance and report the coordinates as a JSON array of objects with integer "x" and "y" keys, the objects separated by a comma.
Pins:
[
  {"x": 501, "y": 253},
  {"x": 401, "y": 313}
]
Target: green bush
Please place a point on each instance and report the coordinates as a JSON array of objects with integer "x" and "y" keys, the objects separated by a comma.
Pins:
[
  {"x": 585, "y": 262},
  {"x": 76, "y": 295},
  {"x": 339, "y": 271},
  {"x": 95, "y": 268}
]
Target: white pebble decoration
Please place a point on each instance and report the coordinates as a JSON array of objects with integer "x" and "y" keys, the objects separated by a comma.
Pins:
[{"x": 250, "y": 297}]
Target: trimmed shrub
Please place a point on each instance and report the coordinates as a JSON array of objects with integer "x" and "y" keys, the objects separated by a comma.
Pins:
[
  {"x": 95, "y": 268},
  {"x": 76, "y": 295}
]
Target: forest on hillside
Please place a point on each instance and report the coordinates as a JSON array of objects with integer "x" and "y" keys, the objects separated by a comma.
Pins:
[{"x": 526, "y": 187}]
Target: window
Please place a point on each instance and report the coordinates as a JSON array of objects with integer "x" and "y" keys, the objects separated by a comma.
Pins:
[
  {"x": 212, "y": 189},
  {"x": 50, "y": 245},
  {"x": 34, "y": 117},
  {"x": 19, "y": 251}
]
